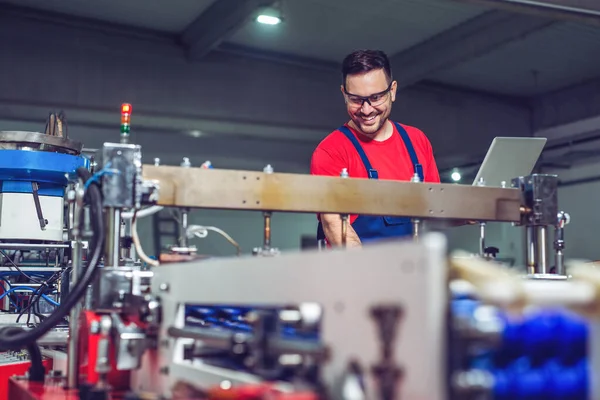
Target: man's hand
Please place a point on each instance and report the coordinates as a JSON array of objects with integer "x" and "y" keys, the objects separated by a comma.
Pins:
[{"x": 332, "y": 226}]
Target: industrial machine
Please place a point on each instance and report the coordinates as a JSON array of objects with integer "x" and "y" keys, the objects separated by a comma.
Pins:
[{"x": 406, "y": 319}]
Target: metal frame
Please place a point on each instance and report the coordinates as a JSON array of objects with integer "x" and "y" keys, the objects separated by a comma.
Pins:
[
  {"x": 250, "y": 190},
  {"x": 345, "y": 283}
]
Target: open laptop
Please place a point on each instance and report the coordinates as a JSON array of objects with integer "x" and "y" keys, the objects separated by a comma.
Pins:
[{"x": 509, "y": 158}]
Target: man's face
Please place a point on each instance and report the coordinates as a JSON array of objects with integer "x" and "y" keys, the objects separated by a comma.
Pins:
[{"x": 374, "y": 86}]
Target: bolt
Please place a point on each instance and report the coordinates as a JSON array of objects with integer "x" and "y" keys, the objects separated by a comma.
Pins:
[
  {"x": 164, "y": 287},
  {"x": 564, "y": 217},
  {"x": 95, "y": 327}
]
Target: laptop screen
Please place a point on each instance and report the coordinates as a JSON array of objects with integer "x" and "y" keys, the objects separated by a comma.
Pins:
[{"x": 509, "y": 158}]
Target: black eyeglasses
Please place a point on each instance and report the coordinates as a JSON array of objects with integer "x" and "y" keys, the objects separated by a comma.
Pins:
[{"x": 373, "y": 100}]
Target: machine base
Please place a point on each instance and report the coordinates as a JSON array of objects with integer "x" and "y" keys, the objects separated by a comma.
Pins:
[{"x": 19, "y": 388}]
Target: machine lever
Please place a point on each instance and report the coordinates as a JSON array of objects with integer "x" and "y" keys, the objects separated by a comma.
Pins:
[{"x": 38, "y": 206}]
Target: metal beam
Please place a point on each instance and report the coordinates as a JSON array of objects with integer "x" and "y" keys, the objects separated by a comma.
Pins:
[
  {"x": 280, "y": 58},
  {"x": 469, "y": 40},
  {"x": 303, "y": 193},
  {"x": 568, "y": 111},
  {"x": 583, "y": 11},
  {"x": 165, "y": 122},
  {"x": 217, "y": 23}
]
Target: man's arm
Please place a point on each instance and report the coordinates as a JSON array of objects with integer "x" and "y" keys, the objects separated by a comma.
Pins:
[
  {"x": 332, "y": 227},
  {"x": 329, "y": 162}
]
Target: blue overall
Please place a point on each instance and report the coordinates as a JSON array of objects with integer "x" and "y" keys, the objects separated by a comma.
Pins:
[{"x": 371, "y": 227}]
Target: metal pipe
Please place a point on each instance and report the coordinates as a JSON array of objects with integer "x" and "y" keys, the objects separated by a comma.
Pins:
[
  {"x": 113, "y": 224},
  {"x": 542, "y": 252},
  {"x": 76, "y": 257},
  {"x": 531, "y": 249},
  {"x": 73, "y": 344}
]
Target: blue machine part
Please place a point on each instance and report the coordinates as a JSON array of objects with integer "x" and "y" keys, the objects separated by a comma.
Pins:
[
  {"x": 233, "y": 319},
  {"x": 52, "y": 171},
  {"x": 542, "y": 355}
]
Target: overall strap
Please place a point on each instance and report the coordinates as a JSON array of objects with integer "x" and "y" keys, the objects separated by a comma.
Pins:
[
  {"x": 363, "y": 156},
  {"x": 411, "y": 151}
]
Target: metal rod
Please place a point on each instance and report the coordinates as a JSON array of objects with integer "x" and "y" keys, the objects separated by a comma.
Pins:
[
  {"x": 73, "y": 344},
  {"x": 76, "y": 257},
  {"x": 559, "y": 242},
  {"x": 531, "y": 250},
  {"x": 127, "y": 252},
  {"x": 542, "y": 266},
  {"x": 416, "y": 229},
  {"x": 113, "y": 223},
  {"x": 223, "y": 341},
  {"x": 560, "y": 262},
  {"x": 344, "y": 230},
  {"x": 30, "y": 267},
  {"x": 18, "y": 246},
  {"x": 209, "y": 337},
  {"x": 267, "y": 233},
  {"x": 183, "y": 242},
  {"x": 482, "y": 239}
]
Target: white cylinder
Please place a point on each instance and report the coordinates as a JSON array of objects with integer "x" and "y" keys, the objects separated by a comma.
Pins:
[{"x": 19, "y": 218}]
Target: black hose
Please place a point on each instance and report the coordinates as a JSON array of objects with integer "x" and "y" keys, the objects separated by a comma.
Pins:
[
  {"x": 13, "y": 339},
  {"x": 36, "y": 370}
]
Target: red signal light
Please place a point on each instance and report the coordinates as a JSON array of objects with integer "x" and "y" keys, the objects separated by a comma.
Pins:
[{"x": 126, "y": 108}]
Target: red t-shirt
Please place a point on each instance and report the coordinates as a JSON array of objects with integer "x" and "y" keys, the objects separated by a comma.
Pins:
[{"x": 390, "y": 157}]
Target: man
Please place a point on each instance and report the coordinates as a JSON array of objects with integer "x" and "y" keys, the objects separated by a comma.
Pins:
[{"x": 371, "y": 146}]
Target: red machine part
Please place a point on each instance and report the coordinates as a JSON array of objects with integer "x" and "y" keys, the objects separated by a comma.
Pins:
[
  {"x": 88, "y": 354},
  {"x": 22, "y": 389},
  {"x": 52, "y": 389},
  {"x": 10, "y": 369},
  {"x": 258, "y": 392}
]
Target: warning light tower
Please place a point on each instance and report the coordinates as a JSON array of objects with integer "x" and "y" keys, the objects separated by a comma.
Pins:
[{"x": 125, "y": 122}]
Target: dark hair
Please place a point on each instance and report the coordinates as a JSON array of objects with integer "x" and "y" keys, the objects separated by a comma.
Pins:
[{"x": 361, "y": 61}]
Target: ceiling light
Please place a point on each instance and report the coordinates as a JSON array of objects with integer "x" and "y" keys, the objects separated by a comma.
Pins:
[
  {"x": 195, "y": 134},
  {"x": 455, "y": 176},
  {"x": 268, "y": 19}
]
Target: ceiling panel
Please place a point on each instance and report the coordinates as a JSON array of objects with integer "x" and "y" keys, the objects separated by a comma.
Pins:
[
  {"x": 328, "y": 30},
  {"x": 172, "y": 16},
  {"x": 559, "y": 56}
]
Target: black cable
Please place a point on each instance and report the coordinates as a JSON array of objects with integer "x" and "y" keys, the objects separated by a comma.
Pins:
[
  {"x": 10, "y": 339},
  {"x": 49, "y": 284},
  {"x": 17, "y": 267},
  {"x": 36, "y": 370}
]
